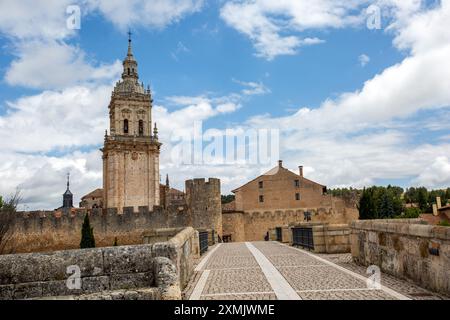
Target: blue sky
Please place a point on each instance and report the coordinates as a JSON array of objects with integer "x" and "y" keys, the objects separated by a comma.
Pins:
[{"x": 355, "y": 106}]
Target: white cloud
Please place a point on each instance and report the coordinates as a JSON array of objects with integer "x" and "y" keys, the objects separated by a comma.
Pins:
[
  {"x": 353, "y": 140},
  {"x": 365, "y": 135},
  {"x": 39, "y": 34},
  {"x": 155, "y": 13},
  {"x": 437, "y": 174},
  {"x": 41, "y": 180},
  {"x": 51, "y": 64},
  {"x": 44, "y": 136},
  {"x": 55, "y": 120},
  {"x": 253, "y": 88},
  {"x": 36, "y": 19},
  {"x": 274, "y": 26},
  {"x": 363, "y": 59}
]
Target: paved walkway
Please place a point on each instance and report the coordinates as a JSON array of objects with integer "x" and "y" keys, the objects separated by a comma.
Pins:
[{"x": 270, "y": 270}]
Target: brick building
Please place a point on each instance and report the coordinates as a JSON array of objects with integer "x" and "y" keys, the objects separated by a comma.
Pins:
[
  {"x": 281, "y": 188},
  {"x": 278, "y": 198}
]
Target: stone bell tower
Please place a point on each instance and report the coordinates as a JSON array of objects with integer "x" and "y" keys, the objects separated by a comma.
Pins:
[{"x": 131, "y": 150}]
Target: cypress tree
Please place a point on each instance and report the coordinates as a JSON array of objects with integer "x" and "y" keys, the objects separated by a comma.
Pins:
[
  {"x": 367, "y": 205},
  {"x": 115, "y": 242},
  {"x": 386, "y": 207},
  {"x": 87, "y": 234},
  {"x": 423, "y": 199}
]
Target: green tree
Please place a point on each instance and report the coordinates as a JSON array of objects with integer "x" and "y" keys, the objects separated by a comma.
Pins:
[
  {"x": 366, "y": 206},
  {"x": 422, "y": 199},
  {"x": 228, "y": 198},
  {"x": 447, "y": 195},
  {"x": 87, "y": 234},
  {"x": 386, "y": 206},
  {"x": 410, "y": 213}
]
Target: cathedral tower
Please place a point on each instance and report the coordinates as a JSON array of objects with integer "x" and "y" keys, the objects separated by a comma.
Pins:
[{"x": 131, "y": 150}]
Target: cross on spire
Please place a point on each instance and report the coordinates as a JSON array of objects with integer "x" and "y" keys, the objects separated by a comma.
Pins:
[
  {"x": 68, "y": 180},
  {"x": 129, "y": 35}
]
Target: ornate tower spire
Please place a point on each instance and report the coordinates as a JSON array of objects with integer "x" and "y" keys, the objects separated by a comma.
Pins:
[
  {"x": 167, "y": 181},
  {"x": 130, "y": 64},
  {"x": 130, "y": 52}
]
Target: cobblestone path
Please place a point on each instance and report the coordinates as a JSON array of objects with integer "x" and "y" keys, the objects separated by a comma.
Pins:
[{"x": 270, "y": 270}]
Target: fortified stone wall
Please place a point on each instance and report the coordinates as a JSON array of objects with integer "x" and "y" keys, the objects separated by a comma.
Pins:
[
  {"x": 61, "y": 230},
  {"x": 234, "y": 226},
  {"x": 406, "y": 249},
  {"x": 145, "y": 271},
  {"x": 253, "y": 226}
]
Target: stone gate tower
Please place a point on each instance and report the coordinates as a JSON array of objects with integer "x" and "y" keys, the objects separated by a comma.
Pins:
[{"x": 131, "y": 150}]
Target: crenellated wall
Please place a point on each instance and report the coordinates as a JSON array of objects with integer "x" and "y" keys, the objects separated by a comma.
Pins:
[{"x": 61, "y": 230}]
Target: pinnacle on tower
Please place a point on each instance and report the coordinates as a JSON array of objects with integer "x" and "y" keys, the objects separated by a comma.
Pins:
[
  {"x": 68, "y": 180},
  {"x": 155, "y": 132}
]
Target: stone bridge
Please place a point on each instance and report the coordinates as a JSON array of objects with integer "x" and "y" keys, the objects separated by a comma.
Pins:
[{"x": 271, "y": 270}]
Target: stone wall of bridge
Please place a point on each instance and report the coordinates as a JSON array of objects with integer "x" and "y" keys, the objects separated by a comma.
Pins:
[
  {"x": 406, "y": 248},
  {"x": 149, "y": 271}
]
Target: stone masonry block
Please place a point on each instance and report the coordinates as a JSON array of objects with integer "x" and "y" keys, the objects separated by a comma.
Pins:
[
  {"x": 127, "y": 259},
  {"x": 132, "y": 280}
]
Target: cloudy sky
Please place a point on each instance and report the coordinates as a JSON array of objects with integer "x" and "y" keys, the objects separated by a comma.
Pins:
[{"x": 359, "y": 90}]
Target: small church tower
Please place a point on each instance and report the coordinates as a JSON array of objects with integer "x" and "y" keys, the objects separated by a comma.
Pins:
[
  {"x": 68, "y": 196},
  {"x": 131, "y": 150}
]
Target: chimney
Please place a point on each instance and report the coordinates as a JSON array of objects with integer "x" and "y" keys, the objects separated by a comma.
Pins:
[
  {"x": 300, "y": 169},
  {"x": 435, "y": 210},
  {"x": 280, "y": 163},
  {"x": 438, "y": 202}
]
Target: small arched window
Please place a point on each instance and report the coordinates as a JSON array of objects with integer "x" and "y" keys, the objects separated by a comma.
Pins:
[
  {"x": 128, "y": 71},
  {"x": 125, "y": 126},
  {"x": 141, "y": 127}
]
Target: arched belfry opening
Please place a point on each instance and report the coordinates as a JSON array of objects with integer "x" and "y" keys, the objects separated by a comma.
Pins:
[
  {"x": 125, "y": 126},
  {"x": 141, "y": 128}
]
